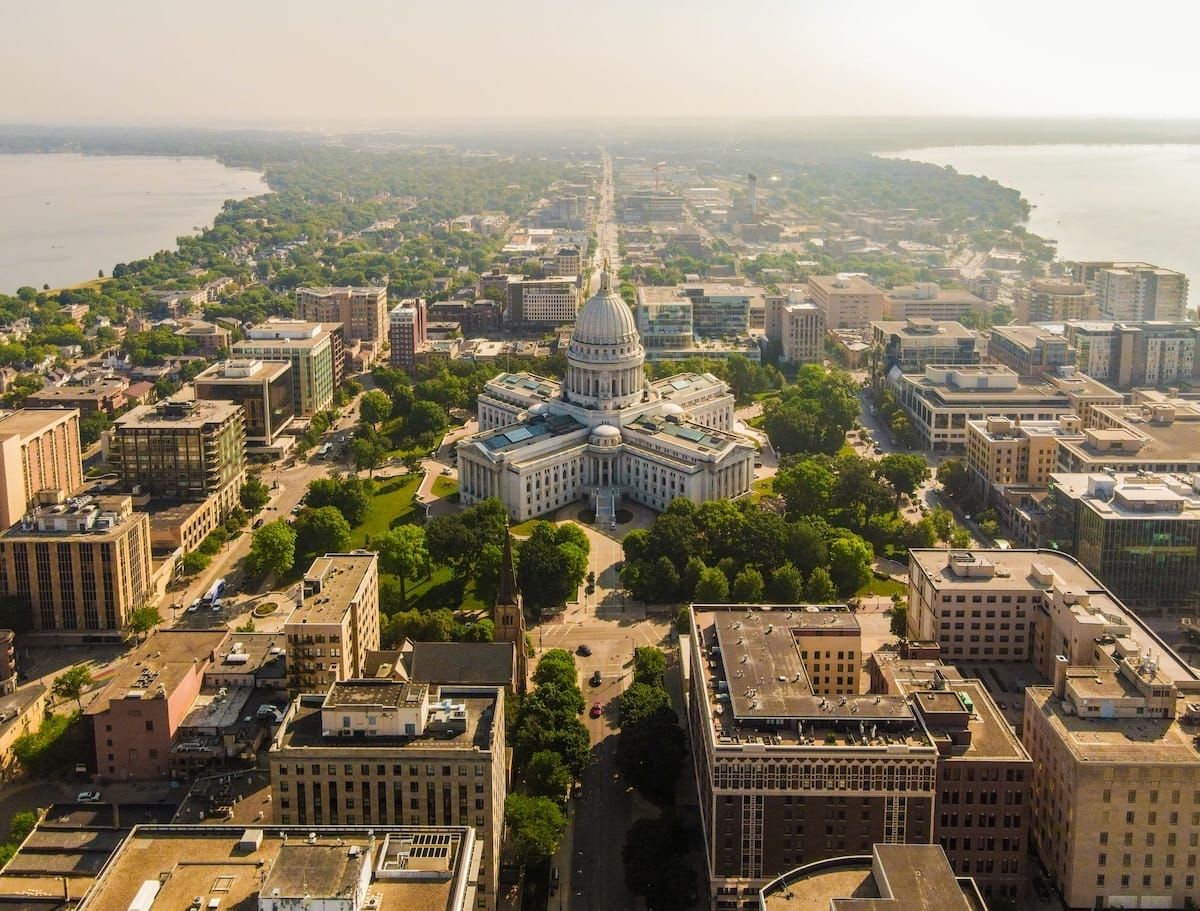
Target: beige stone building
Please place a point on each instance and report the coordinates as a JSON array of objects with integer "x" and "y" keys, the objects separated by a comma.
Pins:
[
  {"x": 849, "y": 302},
  {"x": 337, "y": 622},
  {"x": 1003, "y": 452},
  {"x": 39, "y": 450},
  {"x": 1055, "y": 300},
  {"x": 383, "y": 752},
  {"x": 79, "y": 567},
  {"x": 361, "y": 311}
]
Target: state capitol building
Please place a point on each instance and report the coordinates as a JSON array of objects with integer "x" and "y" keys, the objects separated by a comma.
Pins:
[{"x": 605, "y": 434}]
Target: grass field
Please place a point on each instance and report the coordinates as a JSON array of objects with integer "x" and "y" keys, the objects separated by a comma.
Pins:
[
  {"x": 392, "y": 505},
  {"x": 884, "y": 588},
  {"x": 444, "y": 487}
]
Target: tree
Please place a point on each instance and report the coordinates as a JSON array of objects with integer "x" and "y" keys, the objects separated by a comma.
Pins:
[
  {"x": 550, "y": 565},
  {"x": 806, "y": 488},
  {"x": 819, "y": 589},
  {"x": 649, "y": 665},
  {"x": 368, "y": 454},
  {"x": 535, "y": 826},
  {"x": 426, "y": 418},
  {"x": 92, "y": 427},
  {"x": 254, "y": 495},
  {"x": 787, "y": 585},
  {"x": 194, "y": 562},
  {"x": 639, "y": 702},
  {"x": 904, "y": 472},
  {"x": 72, "y": 683},
  {"x": 747, "y": 586},
  {"x": 650, "y": 753},
  {"x": 547, "y": 776},
  {"x": 321, "y": 531},
  {"x": 712, "y": 588},
  {"x": 375, "y": 407},
  {"x": 402, "y": 553},
  {"x": 272, "y": 549},
  {"x": 898, "y": 623},
  {"x": 557, "y": 666},
  {"x": 143, "y": 619},
  {"x": 955, "y": 478},
  {"x": 849, "y": 563},
  {"x": 351, "y": 495}
]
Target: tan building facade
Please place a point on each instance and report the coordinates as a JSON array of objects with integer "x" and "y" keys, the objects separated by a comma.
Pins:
[
  {"x": 849, "y": 302},
  {"x": 336, "y": 624},
  {"x": 39, "y": 450},
  {"x": 361, "y": 311},
  {"x": 79, "y": 567},
  {"x": 380, "y": 752},
  {"x": 1001, "y": 451}
]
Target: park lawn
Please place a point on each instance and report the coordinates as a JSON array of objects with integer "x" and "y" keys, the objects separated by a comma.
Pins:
[
  {"x": 444, "y": 488},
  {"x": 761, "y": 489},
  {"x": 525, "y": 529},
  {"x": 884, "y": 588},
  {"x": 441, "y": 589},
  {"x": 393, "y": 504}
]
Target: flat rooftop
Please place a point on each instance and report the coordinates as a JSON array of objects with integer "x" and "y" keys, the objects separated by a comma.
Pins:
[
  {"x": 1116, "y": 740},
  {"x": 331, "y": 584},
  {"x": 1025, "y": 429},
  {"x": 1132, "y": 496},
  {"x": 164, "y": 659},
  {"x": 414, "y": 868},
  {"x": 537, "y": 428},
  {"x": 32, "y": 421},
  {"x": 181, "y": 414},
  {"x": 695, "y": 437},
  {"x": 895, "y": 878},
  {"x": 684, "y": 385},
  {"x": 843, "y": 284},
  {"x": 916, "y": 329},
  {"x": 1175, "y": 443},
  {"x": 755, "y": 677},
  {"x": 241, "y": 371},
  {"x": 304, "y": 728}
]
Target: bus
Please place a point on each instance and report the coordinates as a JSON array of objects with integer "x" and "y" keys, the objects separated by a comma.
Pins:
[
  {"x": 325, "y": 450},
  {"x": 213, "y": 595}
]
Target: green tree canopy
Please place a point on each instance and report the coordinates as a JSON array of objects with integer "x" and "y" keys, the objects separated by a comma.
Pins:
[
  {"x": 72, "y": 683},
  {"x": 546, "y": 775},
  {"x": 535, "y": 826},
  {"x": 551, "y": 565},
  {"x": 254, "y": 494},
  {"x": 649, "y": 665},
  {"x": 321, "y": 531},
  {"x": 819, "y": 588},
  {"x": 639, "y": 702},
  {"x": 350, "y": 495},
  {"x": 143, "y": 619},
  {"x": 375, "y": 407},
  {"x": 272, "y": 549},
  {"x": 402, "y": 552},
  {"x": 713, "y": 587},
  {"x": 905, "y": 472}
]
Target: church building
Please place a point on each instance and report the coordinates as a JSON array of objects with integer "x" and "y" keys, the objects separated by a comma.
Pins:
[{"x": 605, "y": 434}]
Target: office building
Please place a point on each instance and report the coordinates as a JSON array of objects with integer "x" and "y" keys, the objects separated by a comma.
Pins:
[
  {"x": 1133, "y": 354},
  {"x": 407, "y": 332},
  {"x": 917, "y": 342},
  {"x": 900, "y": 877},
  {"x": 1054, "y": 300},
  {"x": 568, "y": 261},
  {"x": 645, "y": 206},
  {"x": 541, "y": 302},
  {"x": 664, "y": 318},
  {"x": 981, "y": 814},
  {"x": 1134, "y": 290},
  {"x": 316, "y": 351},
  {"x": 104, "y": 396},
  {"x": 802, "y": 333},
  {"x": 477, "y": 317},
  {"x": 1116, "y": 781},
  {"x": 1002, "y": 452},
  {"x": 1030, "y": 350},
  {"x": 130, "y": 726},
  {"x": 78, "y": 566},
  {"x": 788, "y": 772},
  {"x": 262, "y": 388},
  {"x": 362, "y": 312},
  {"x": 724, "y": 311},
  {"x": 940, "y": 401},
  {"x": 1139, "y": 534},
  {"x": 849, "y": 302},
  {"x": 287, "y": 868},
  {"x": 181, "y": 450},
  {"x": 926, "y": 300},
  {"x": 385, "y": 752},
  {"x": 39, "y": 450},
  {"x": 337, "y": 622},
  {"x": 1158, "y": 434},
  {"x": 605, "y": 433}
]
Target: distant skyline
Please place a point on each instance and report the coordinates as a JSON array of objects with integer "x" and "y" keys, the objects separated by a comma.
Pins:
[{"x": 380, "y": 63}]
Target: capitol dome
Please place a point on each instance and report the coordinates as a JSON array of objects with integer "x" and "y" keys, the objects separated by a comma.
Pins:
[{"x": 605, "y": 319}]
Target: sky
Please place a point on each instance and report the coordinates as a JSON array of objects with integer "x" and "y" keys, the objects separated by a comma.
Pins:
[{"x": 385, "y": 63}]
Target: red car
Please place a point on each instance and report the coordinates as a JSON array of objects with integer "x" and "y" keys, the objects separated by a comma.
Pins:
[{"x": 597, "y": 710}]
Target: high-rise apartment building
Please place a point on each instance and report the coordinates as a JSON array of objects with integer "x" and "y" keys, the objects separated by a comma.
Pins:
[
  {"x": 1030, "y": 351},
  {"x": 262, "y": 388},
  {"x": 337, "y": 622},
  {"x": 849, "y": 302},
  {"x": 361, "y": 311},
  {"x": 914, "y": 343},
  {"x": 545, "y": 302},
  {"x": 181, "y": 450},
  {"x": 39, "y": 450},
  {"x": 802, "y": 333},
  {"x": 1125, "y": 354},
  {"x": 1135, "y": 291},
  {"x": 406, "y": 332},
  {"x": 1054, "y": 300},
  {"x": 316, "y": 351},
  {"x": 384, "y": 752},
  {"x": 79, "y": 567}
]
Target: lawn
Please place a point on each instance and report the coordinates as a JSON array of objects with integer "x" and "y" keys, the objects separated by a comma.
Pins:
[
  {"x": 761, "y": 489},
  {"x": 393, "y": 504},
  {"x": 441, "y": 589},
  {"x": 884, "y": 588},
  {"x": 444, "y": 488}
]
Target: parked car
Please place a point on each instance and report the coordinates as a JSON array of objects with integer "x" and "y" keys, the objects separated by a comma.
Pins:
[
  {"x": 195, "y": 606},
  {"x": 1040, "y": 887},
  {"x": 583, "y": 650},
  {"x": 596, "y": 678},
  {"x": 597, "y": 710},
  {"x": 93, "y": 796}
]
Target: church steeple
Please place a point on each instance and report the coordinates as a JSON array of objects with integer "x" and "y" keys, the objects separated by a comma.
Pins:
[{"x": 508, "y": 615}]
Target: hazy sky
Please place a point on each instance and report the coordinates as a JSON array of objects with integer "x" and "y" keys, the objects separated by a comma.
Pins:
[{"x": 377, "y": 62}]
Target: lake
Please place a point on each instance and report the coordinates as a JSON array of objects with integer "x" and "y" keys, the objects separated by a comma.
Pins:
[
  {"x": 1100, "y": 202},
  {"x": 63, "y": 217}
]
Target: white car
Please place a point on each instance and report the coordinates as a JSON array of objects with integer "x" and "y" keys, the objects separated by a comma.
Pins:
[{"x": 88, "y": 797}]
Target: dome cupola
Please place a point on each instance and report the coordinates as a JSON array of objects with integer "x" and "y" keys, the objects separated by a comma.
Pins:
[{"x": 605, "y": 357}]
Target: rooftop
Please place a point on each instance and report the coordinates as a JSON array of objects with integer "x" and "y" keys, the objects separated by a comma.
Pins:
[
  {"x": 537, "y": 427},
  {"x": 1116, "y": 740},
  {"x": 415, "y": 868},
  {"x": 239, "y": 370},
  {"x": 30, "y": 422},
  {"x": 896, "y": 878},
  {"x": 916, "y": 328},
  {"x": 158, "y": 666},
  {"x": 331, "y": 584},
  {"x": 484, "y": 663},
  {"x": 843, "y": 284},
  {"x": 80, "y": 516},
  {"x": 1114, "y": 495},
  {"x": 1169, "y": 439},
  {"x": 178, "y": 414}
]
